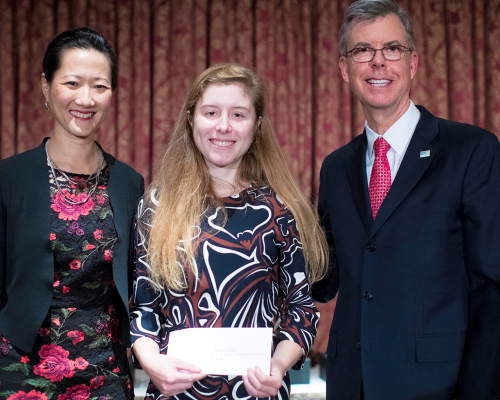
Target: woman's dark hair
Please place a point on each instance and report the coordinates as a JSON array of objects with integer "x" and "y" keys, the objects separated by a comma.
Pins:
[{"x": 78, "y": 38}]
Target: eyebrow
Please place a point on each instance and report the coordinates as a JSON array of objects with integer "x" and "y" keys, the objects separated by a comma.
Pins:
[
  {"x": 218, "y": 106},
  {"x": 390, "y": 43},
  {"x": 68, "y": 76}
]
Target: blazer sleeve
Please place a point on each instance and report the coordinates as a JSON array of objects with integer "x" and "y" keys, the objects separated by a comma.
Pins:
[
  {"x": 3, "y": 262},
  {"x": 480, "y": 369},
  {"x": 132, "y": 241},
  {"x": 326, "y": 289}
]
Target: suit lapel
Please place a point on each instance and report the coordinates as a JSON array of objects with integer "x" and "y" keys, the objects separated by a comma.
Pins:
[
  {"x": 356, "y": 175},
  {"x": 119, "y": 202},
  {"x": 412, "y": 167},
  {"x": 36, "y": 176}
]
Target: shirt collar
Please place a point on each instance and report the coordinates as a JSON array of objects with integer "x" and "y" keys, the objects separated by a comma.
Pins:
[{"x": 399, "y": 134}]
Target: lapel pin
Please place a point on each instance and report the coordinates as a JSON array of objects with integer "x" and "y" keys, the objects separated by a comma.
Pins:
[{"x": 425, "y": 153}]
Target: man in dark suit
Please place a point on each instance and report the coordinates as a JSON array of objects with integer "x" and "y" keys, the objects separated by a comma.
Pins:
[{"x": 412, "y": 213}]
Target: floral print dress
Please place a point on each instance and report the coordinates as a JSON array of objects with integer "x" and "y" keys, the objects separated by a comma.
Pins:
[{"x": 78, "y": 354}]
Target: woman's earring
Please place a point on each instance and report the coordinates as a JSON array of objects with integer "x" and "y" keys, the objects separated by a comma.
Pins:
[{"x": 47, "y": 105}]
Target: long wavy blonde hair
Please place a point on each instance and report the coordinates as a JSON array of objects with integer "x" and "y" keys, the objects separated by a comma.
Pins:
[{"x": 183, "y": 187}]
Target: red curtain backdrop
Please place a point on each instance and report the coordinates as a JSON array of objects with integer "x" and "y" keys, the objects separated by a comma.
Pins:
[{"x": 162, "y": 45}]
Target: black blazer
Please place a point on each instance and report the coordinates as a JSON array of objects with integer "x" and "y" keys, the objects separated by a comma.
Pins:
[
  {"x": 418, "y": 308},
  {"x": 27, "y": 260}
]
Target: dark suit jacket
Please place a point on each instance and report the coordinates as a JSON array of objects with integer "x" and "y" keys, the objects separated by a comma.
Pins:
[
  {"x": 27, "y": 260},
  {"x": 418, "y": 309}
]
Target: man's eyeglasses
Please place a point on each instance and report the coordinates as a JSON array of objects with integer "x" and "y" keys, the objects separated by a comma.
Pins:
[{"x": 367, "y": 54}]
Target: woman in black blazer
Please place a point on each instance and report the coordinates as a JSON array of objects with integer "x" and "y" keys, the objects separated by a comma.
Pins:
[{"x": 66, "y": 214}]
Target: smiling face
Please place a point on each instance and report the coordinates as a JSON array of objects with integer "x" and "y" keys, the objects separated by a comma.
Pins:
[
  {"x": 380, "y": 85},
  {"x": 223, "y": 127},
  {"x": 80, "y": 93}
]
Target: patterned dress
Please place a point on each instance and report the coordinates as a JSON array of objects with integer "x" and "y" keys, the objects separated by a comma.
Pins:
[
  {"x": 78, "y": 354},
  {"x": 251, "y": 274}
]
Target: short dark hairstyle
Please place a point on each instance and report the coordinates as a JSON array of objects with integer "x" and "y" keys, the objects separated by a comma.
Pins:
[
  {"x": 78, "y": 38},
  {"x": 367, "y": 10}
]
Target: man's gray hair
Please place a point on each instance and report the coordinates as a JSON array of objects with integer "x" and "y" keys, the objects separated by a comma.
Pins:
[{"x": 367, "y": 10}]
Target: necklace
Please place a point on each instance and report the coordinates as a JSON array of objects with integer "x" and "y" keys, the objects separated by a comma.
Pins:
[{"x": 97, "y": 173}]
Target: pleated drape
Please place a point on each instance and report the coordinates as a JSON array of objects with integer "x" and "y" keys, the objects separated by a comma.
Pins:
[{"x": 164, "y": 44}]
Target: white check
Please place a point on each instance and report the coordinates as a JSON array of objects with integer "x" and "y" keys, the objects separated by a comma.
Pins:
[{"x": 223, "y": 351}]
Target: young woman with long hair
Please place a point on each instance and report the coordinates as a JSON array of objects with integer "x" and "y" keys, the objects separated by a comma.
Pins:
[{"x": 224, "y": 221}]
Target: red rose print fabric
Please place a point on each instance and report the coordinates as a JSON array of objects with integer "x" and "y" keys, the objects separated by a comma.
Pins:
[
  {"x": 54, "y": 364},
  {"x": 31, "y": 395},
  {"x": 78, "y": 354},
  {"x": 68, "y": 211}
]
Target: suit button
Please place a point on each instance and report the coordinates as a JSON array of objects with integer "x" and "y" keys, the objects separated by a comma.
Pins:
[
  {"x": 358, "y": 345},
  {"x": 368, "y": 295},
  {"x": 371, "y": 247}
]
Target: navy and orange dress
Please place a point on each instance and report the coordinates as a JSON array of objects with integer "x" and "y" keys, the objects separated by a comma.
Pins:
[{"x": 251, "y": 273}]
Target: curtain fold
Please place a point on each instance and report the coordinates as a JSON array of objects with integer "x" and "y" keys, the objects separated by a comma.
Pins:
[{"x": 163, "y": 45}]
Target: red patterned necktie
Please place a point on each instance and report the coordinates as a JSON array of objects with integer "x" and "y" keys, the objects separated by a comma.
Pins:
[{"x": 380, "y": 178}]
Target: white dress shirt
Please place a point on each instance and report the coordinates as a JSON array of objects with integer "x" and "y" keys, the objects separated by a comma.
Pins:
[{"x": 398, "y": 136}]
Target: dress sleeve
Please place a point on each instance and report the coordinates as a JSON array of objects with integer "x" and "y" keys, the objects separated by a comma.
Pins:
[
  {"x": 299, "y": 315},
  {"x": 146, "y": 317}
]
